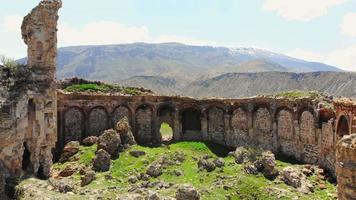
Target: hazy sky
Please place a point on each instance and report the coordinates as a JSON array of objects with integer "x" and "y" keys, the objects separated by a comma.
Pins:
[{"x": 316, "y": 30}]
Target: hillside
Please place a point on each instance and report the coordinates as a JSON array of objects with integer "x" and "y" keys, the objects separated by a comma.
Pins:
[
  {"x": 234, "y": 85},
  {"x": 172, "y": 60},
  {"x": 127, "y": 177}
]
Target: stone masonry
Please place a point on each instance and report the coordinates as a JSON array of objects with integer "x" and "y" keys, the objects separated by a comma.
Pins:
[
  {"x": 28, "y": 102},
  {"x": 346, "y": 168}
]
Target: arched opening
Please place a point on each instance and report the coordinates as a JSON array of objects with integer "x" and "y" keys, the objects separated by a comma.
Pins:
[
  {"x": 31, "y": 116},
  {"x": 98, "y": 121},
  {"x": 143, "y": 125},
  {"x": 40, "y": 173},
  {"x": 216, "y": 125},
  {"x": 191, "y": 121},
  {"x": 166, "y": 132},
  {"x": 73, "y": 125},
  {"x": 343, "y": 127},
  {"x": 26, "y": 159},
  {"x": 165, "y": 114}
]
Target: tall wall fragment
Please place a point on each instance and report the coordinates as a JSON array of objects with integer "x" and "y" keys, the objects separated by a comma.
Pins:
[
  {"x": 28, "y": 102},
  {"x": 346, "y": 168}
]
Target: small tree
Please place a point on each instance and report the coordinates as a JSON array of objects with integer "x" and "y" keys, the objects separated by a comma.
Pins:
[{"x": 8, "y": 62}]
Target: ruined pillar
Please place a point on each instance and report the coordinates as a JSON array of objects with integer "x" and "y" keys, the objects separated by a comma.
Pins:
[
  {"x": 346, "y": 167},
  {"x": 39, "y": 32}
]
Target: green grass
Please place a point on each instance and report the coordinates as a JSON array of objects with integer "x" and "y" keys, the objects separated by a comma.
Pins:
[
  {"x": 103, "y": 88},
  {"x": 299, "y": 94},
  {"x": 239, "y": 184},
  {"x": 166, "y": 130}
]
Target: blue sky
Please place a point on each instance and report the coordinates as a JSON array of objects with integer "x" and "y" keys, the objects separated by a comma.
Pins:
[{"x": 317, "y": 30}]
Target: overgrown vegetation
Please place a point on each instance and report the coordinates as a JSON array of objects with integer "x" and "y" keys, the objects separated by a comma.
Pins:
[
  {"x": 14, "y": 77},
  {"x": 300, "y": 94},
  {"x": 230, "y": 182},
  {"x": 104, "y": 88}
]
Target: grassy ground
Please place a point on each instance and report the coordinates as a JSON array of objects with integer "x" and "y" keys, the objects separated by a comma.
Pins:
[
  {"x": 231, "y": 182},
  {"x": 103, "y": 88},
  {"x": 166, "y": 130}
]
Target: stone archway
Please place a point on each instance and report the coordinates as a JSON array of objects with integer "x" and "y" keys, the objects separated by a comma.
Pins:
[
  {"x": 119, "y": 113},
  {"x": 73, "y": 125},
  {"x": 143, "y": 125},
  {"x": 343, "y": 127},
  {"x": 285, "y": 133},
  {"x": 191, "y": 122},
  {"x": 216, "y": 125},
  {"x": 165, "y": 121},
  {"x": 97, "y": 121},
  {"x": 308, "y": 138}
]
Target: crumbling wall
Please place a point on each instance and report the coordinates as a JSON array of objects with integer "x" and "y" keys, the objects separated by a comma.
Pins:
[
  {"x": 308, "y": 138},
  {"x": 238, "y": 136},
  {"x": 28, "y": 99},
  {"x": 73, "y": 125},
  {"x": 346, "y": 167},
  {"x": 285, "y": 131},
  {"x": 119, "y": 113},
  {"x": 262, "y": 124},
  {"x": 216, "y": 125},
  {"x": 143, "y": 125},
  {"x": 98, "y": 121}
]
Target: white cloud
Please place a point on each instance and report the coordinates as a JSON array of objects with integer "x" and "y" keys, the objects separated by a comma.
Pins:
[
  {"x": 12, "y": 23},
  {"x": 343, "y": 57},
  {"x": 348, "y": 25},
  {"x": 301, "y": 10},
  {"x": 101, "y": 32}
]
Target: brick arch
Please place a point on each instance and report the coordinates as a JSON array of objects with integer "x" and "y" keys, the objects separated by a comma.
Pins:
[
  {"x": 216, "y": 124},
  {"x": 343, "y": 126},
  {"x": 262, "y": 125},
  {"x": 307, "y": 122},
  {"x": 284, "y": 108},
  {"x": 74, "y": 124},
  {"x": 239, "y": 121},
  {"x": 98, "y": 119},
  {"x": 144, "y": 124},
  {"x": 285, "y": 132},
  {"x": 308, "y": 137},
  {"x": 120, "y": 112},
  {"x": 310, "y": 110}
]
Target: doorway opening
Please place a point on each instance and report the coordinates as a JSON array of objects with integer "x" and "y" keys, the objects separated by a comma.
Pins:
[
  {"x": 26, "y": 159},
  {"x": 166, "y": 132}
]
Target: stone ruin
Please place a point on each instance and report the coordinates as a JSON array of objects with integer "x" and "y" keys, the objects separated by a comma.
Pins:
[
  {"x": 28, "y": 102},
  {"x": 30, "y": 129}
]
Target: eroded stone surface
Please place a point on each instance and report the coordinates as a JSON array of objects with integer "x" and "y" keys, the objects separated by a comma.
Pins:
[
  {"x": 28, "y": 107},
  {"x": 346, "y": 167}
]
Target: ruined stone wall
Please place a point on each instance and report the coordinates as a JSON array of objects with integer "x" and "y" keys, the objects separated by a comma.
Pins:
[
  {"x": 28, "y": 100},
  {"x": 346, "y": 168},
  {"x": 291, "y": 128}
]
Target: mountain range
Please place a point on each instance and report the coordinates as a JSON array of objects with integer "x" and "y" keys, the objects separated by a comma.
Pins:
[{"x": 202, "y": 71}]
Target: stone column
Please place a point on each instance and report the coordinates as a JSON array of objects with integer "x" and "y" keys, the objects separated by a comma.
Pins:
[
  {"x": 204, "y": 127},
  {"x": 177, "y": 126},
  {"x": 346, "y": 168}
]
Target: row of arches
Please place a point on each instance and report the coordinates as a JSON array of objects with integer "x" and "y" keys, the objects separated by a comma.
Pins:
[{"x": 188, "y": 121}]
